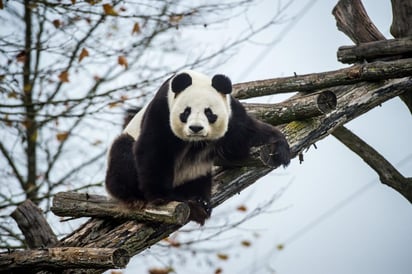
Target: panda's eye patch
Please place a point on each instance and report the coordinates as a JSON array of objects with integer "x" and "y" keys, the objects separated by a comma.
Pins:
[
  {"x": 185, "y": 114},
  {"x": 210, "y": 116}
]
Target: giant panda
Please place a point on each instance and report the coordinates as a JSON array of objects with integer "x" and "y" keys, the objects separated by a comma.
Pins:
[{"x": 168, "y": 149}]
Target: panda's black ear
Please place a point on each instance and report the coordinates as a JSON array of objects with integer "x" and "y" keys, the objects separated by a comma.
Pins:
[
  {"x": 180, "y": 82},
  {"x": 222, "y": 83}
]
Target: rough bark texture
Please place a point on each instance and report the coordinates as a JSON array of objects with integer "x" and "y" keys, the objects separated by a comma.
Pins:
[
  {"x": 297, "y": 108},
  {"x": 387, "y": 49},
  {"x": 352, "y": 19},
  {"x": 85, "y": 205},
  {"x": 33, "y": 224},
  {"x": 402, "y": 21},
  {"x": 57, "y": 258},
  {"x": 316, "y": 81}
]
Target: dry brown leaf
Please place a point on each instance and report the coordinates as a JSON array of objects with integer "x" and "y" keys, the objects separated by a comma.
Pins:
[
  {"x": 218, "y": 270},
  {"x": 166, "y": 270},
  {"x": 241, "y": 208},
  {"x": 57, "y": 23},
  {"x": 62, "y": 136},
  {"x": 175, "y": 18},
  {"x": 121, "y": 60},
  {"x": 246, "y": 243},
  {"x": 108, "y": 10},
  {"x": 64, "y": 76},
  {"x": 83, "y": 54},
  {"x": 136, "y": 28},
  {"x": 222, "y": 256}
]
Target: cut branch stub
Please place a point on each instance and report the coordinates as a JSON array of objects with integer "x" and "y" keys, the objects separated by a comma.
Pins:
[
  {"x": 33, "y": 224},
  {"x": 86, "y": 205},
  {"x": 297, "y": 108}
]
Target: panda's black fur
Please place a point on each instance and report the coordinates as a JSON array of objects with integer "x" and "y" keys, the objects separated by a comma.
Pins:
[{"x": 158, "y": 166}]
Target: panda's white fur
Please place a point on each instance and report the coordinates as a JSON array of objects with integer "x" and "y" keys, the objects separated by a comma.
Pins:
[
  {"x": 134, "y": 126},
  {"x": 199, "y": 96}
]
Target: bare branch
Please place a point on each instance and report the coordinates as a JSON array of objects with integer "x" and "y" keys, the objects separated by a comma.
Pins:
[{"x": 387, "y": 172}]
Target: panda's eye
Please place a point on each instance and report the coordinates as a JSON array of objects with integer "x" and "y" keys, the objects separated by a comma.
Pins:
[
  {"x": 210, "y": 116},
  {"x": 185, "y": 114}
]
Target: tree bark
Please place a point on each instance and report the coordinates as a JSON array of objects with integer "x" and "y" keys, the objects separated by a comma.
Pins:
[
  {"x": 313, "y": 82},
  {"x": 57, "y": 258},
  {"x": 352, "y": 19},
  {"x": 297, "y": 108},
  {"x": 371, "y": 51},
  {"x": 402, "y": 18},
  {"x": 33, "y": 224},
  {"x": 86, "y": 205}
]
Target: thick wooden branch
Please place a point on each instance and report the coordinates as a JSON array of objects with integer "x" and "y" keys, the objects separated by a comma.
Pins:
[
  {"x": 401, "y": 22},
  {"x": 376, "y": 50},
  {"x": 297, "y": 108},
  {"x": 312, "y": 82},
  {"x": 352, "y": 19},
  {"x": 86, "y": 205},
  {"x": 33, "y": 224},
  {"x": 387, "y": 173},
  {"x": 57, "y": 258}
]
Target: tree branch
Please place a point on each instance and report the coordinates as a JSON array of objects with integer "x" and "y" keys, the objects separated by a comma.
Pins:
[
  {"x": 57, "y": 258},
  {"x": 387, "y": 173},
  {"x": 371, "y": 51},
  {"x": 32, "y": 223},
  {"x": 352, "y": 19},
  {"x": 86, "y": 205},
  {"x": 311, "y": 82}
]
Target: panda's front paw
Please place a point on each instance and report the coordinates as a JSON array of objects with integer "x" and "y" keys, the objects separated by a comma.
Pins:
[
  {"x": 200, "y": 210},
  {"x": 275, "y": 154}
]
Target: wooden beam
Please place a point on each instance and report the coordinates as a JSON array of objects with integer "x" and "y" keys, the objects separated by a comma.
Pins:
[
  {"x": 87, "y": 205},
  {"x": 297, "y": 108},
  {"x": 395, "y": 48},
  {"x": 313, "y": 82},
  {"x": 58, "y": 258}
]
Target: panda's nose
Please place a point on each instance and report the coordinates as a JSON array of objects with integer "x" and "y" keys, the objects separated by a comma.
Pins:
[{"x": 195, "y": 129}]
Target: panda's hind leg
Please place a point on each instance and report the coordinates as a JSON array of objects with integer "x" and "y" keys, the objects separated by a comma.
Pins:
[
  {"x": 121, "y": 176},
  {"x": 196, "y": 193}
]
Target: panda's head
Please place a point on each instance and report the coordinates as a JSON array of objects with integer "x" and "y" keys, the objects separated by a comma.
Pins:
[{"x": 199, "y": 106}]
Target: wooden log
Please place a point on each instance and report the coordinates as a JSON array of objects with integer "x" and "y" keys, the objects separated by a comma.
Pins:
[
  {"x": 297, "y": 108},
  {"x": 387, "y": 173},
  {"x": 316, "y": 81},
  {"x": 33, "y": 224},
  {"x": 57, "y": 258},
  {"x": 401, "y": 18},
  {"x": 86, "y": 205},
  {"x": 352, "y": 19},
  {"x": 371, "y": 51}
]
